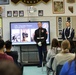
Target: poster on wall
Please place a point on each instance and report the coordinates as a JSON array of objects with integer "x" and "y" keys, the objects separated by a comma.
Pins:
[
  {"x": 40, "y": 12},
  {"x": 4, "y": 2},
  {"x": 15, "y": 13},
  {"x": 59, "y": 27},
  {"x": 9, "y": 13},
  {"x": 58, "y": 6},
  {"x": 21, "y": 13}
]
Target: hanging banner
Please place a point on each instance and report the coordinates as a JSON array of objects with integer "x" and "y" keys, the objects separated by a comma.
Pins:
[{"x": 30, "y": 2}]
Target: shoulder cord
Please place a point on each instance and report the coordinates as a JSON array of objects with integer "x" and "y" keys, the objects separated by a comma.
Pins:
[{"x": 71, "y": 29}]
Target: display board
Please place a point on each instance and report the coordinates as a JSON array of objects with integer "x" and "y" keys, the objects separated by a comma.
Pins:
[{"x": 22, "y": 33}]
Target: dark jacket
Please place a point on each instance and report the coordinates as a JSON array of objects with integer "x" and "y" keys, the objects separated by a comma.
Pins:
[
  {"x": 14, "y": 55},
  {"x": 68, "y": 34},
  {"x": 40, "y": 35}
]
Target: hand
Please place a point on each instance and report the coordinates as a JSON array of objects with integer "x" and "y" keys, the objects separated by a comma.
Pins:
[{"x": 39, "y": 44}]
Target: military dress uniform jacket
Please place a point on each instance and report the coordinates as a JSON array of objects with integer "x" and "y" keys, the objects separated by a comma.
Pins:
[
  {"x": 68, "y": 33},
  {"x": 40, "y": 35}
]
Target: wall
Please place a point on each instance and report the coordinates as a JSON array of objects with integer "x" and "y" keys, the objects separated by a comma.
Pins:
[
  {"x": 48, "y": 15},
  {"x": 34, "y": 17}
]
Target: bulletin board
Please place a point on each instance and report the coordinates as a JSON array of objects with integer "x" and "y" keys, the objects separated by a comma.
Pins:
[{"x": 60, "y": 24}]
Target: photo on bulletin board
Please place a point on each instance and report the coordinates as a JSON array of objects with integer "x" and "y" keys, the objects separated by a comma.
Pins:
[
  {"x": 4, "y": 2},
  {"x": 15, "y": 13},
  {"x": 59, "y": 23},
  {"x": 60, "y": 34},
  {"x": 21, "y": 13},
  {"x": 70, "y": 1},
  {"x": 40, "y": 12},
  {"x": 58, "y": 6},
  {"x": 9, "y": 13}
]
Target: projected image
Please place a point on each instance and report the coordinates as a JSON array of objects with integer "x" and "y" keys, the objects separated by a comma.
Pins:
[
  {"x": 32, "y": 34},
  {"x": 25, "y": 35},
  {"x": 22, "y": 33},
  {"x": 15, "y": 35},
  {"x": 45, "y": 25}
]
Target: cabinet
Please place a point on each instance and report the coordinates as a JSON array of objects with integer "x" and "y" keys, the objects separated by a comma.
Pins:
[{"x": 29, "y": 54}]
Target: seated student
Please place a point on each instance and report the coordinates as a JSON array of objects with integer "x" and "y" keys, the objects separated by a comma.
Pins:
[
  {"x": 9, "y": 68},
  {"x": 4, "y": 56},
  {"x": 63, "y": 56},
  {"x": 52, "y": 52},
  {"x": 13, "y": 54},
  {"x": 69, "y": 68}
]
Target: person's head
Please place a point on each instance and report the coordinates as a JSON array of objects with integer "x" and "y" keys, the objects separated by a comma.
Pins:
[
  {"x": 8, "y": 44},
  {"x": 67, "y": 24},
  {"x": 65, "y": 45},
  {"x": 39, "y": 25},
  {"x": 54, "y": 43},
  {"x": 9, "y": 68},
  {"x": 2, "y": 44}
]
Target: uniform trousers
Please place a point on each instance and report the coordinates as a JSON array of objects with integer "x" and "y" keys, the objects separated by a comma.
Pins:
[{"x": 42, "y": 53}]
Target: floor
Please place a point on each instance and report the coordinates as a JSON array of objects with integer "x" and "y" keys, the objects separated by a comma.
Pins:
[{"x": 34, "y": 70}]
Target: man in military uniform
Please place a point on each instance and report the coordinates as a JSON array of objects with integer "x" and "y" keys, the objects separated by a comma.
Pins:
[
  {"x": 68, "y": 32},
  {"x": 40, "y": 39}
]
